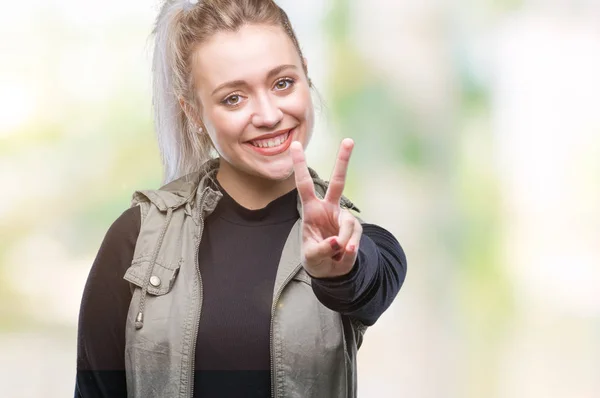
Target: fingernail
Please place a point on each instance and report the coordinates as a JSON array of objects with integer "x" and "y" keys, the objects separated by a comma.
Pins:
[
  {"x": 338, "y": 256},
  {"x": 335, "y": 245},
  {"x": 352, "y": 248}
]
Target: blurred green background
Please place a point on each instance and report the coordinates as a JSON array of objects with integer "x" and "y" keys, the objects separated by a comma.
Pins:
[{"x": 477, "y": 144}]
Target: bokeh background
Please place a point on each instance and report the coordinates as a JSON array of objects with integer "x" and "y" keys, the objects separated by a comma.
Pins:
[{"x": 477, "y": 129}]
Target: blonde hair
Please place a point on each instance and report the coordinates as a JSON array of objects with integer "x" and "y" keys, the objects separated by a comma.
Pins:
[{"x": 180, "y": 26}]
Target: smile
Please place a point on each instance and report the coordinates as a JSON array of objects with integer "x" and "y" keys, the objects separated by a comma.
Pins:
[
  {"x": 271, "y": 142},
  {"x": 274, "y": 145}
]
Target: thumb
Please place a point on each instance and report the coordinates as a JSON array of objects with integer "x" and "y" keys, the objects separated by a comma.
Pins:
[{"x": 327, "y": 248}]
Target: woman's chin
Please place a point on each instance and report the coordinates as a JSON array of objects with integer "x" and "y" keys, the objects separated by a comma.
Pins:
[
  {"x": 278, "y": 174},
  {"x": 275, "y": 171}
]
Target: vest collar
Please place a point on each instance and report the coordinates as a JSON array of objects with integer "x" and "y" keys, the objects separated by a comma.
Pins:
[{"x": 191, "y": 188}]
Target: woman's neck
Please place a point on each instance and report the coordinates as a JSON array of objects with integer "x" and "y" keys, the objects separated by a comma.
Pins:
[{"x": 250, "y": 191}]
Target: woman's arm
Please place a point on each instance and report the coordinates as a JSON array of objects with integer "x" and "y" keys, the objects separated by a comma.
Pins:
[
  {"x": 103, "y": 313},
  {"x": 374, "y": 281}
]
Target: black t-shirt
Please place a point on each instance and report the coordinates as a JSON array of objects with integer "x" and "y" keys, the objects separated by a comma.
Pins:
[{"x": 238, "y": 258}]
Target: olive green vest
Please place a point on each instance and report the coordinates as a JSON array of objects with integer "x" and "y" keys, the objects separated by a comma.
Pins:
[{"x": 313, "y": 349}]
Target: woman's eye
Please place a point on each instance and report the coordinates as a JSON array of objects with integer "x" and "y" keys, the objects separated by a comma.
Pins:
[
  {"x": 232, "y": 100},
  {"x": 283, "y": 84}
]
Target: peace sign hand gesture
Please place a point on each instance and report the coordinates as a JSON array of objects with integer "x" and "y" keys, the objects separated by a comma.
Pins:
[{"x": 330, "y": 234}]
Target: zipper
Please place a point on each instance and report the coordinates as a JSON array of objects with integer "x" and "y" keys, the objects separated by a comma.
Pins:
[
  {"x": 273, "y": 307},
  {"x": 193, "y": 352}
]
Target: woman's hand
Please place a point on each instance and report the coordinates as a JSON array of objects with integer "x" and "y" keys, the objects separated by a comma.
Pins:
[{"x": 330, "y": 234}]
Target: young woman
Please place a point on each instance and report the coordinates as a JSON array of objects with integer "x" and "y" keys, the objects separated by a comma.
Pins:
[{"x": 245, "y": 275}]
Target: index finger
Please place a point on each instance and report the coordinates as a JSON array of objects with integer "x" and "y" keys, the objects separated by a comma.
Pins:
[
  {"x": 338, "y": 178},
  {"x": 304, "y": 182}
]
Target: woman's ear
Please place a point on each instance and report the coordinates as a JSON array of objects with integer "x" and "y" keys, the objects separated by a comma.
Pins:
[{"x": 192, "y": 115}]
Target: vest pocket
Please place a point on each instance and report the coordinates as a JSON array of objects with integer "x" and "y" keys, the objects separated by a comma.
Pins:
[{"x": 162, "y": 276}]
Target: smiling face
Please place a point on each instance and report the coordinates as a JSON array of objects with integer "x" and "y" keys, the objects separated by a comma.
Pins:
[{"x": 254, "y": 98}]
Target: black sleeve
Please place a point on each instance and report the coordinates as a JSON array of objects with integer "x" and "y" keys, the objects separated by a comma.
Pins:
[
  {"x": 374, "y": 281},
  {"x": 103, "y": 313}
]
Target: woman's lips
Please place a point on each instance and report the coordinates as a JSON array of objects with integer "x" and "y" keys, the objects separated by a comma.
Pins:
[{"x": 276, "y": 149}]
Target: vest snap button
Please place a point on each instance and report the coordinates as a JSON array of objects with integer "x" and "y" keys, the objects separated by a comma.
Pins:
[{"x": 155, "y": 281}]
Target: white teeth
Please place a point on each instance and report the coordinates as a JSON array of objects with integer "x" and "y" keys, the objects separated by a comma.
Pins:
[{"x": 271, "y": 142}]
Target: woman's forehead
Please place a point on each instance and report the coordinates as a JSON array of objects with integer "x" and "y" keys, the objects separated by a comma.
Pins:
[{"x": 247, "y": 54}]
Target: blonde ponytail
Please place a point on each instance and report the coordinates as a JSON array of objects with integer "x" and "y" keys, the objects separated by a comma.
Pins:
[{"x": 181, "y": 148}]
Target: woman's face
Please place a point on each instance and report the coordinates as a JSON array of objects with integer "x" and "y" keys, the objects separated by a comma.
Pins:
[{"x": 254, "y": 98}]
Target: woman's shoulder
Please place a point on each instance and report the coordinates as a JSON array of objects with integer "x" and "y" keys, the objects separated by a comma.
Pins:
[
  {"x": 124, "y": 230},
  {"x": 128, "y": 221},
  {"x": 115, "y": 253}
]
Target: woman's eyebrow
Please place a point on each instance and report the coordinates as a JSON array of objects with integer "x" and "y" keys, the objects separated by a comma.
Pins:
[
  {"x": 236, "y": 83},
  {"x": 277, "y": 70}
]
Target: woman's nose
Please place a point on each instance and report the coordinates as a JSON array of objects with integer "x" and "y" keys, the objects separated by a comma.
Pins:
[{"x": 267, "y": 114}]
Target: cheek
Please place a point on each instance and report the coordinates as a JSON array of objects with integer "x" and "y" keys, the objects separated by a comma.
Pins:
[
  {"x": 301, "y": 107},
  {"x": 224, "y": 125}
]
